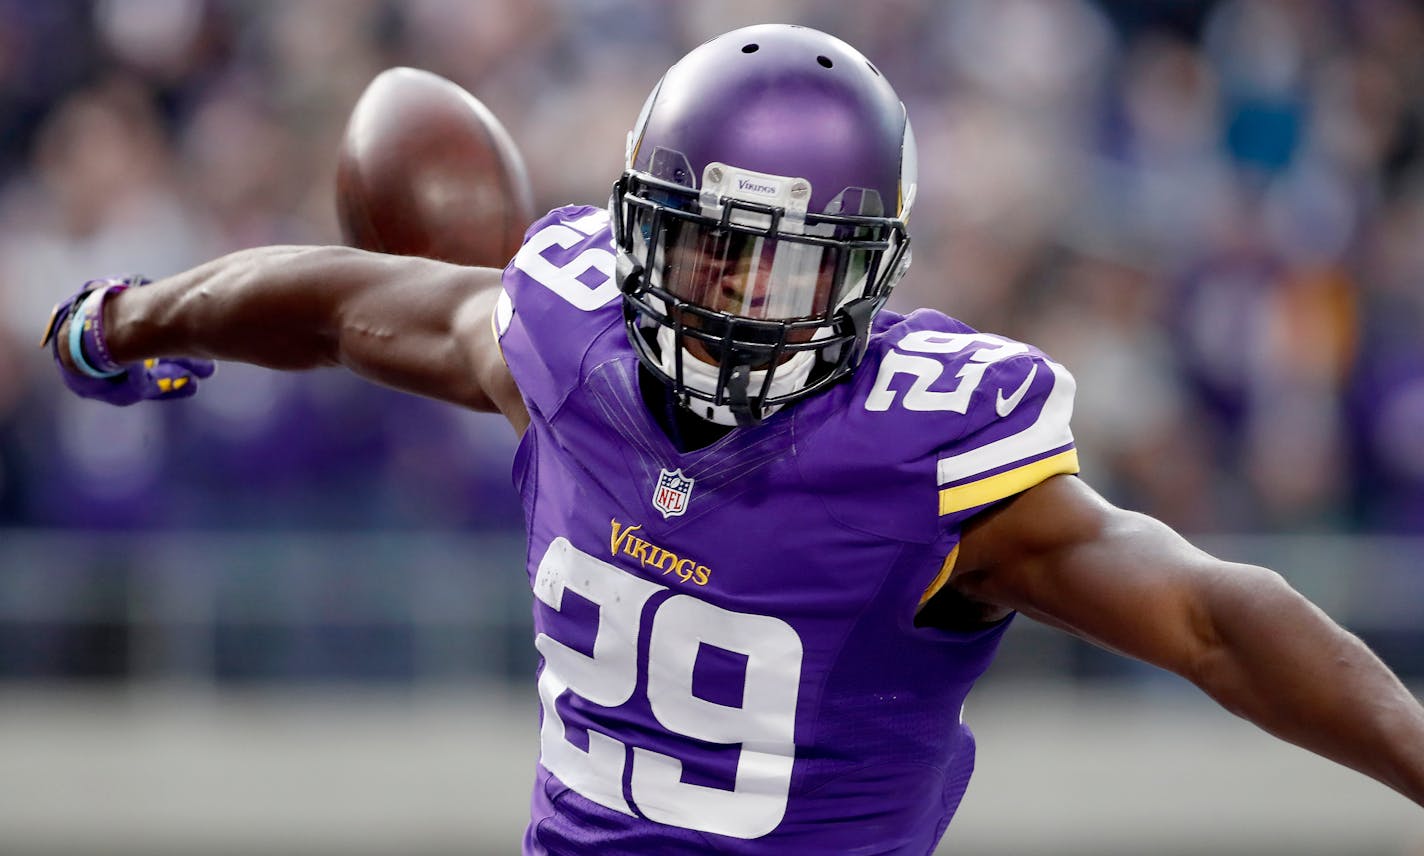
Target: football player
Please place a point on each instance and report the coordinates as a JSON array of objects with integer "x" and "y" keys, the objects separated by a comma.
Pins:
[{"x": 776, "y": 532}]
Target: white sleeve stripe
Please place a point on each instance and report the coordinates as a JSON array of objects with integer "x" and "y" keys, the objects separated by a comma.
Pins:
[
  {"x": 503, "y": 314},
  {"x": 1050, "y": 431}
]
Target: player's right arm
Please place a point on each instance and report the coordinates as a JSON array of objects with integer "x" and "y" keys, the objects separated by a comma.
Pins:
[{"x": 414, "y": 324}]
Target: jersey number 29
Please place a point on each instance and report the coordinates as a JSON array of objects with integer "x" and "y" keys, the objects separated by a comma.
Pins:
[{"x": 764, "y": 724}]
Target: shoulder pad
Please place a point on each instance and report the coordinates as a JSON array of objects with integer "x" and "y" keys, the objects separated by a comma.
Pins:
[
  {"x": 559, "y": 295},
  {"x": 988, "y": 416}
]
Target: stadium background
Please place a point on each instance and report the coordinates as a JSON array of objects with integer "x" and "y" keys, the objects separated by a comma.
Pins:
[{"x": 290, "y": 617}]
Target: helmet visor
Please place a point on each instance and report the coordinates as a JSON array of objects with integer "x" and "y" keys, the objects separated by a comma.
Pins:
[{"x": 745, "y": 271}]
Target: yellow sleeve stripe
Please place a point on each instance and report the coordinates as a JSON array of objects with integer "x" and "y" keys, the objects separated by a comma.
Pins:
[
  {"x": 943, "y": 577},
  {"x": 995, "y": 488}
]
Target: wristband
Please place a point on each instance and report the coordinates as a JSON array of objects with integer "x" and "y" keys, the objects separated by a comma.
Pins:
[{"x": 86, "y": 335}]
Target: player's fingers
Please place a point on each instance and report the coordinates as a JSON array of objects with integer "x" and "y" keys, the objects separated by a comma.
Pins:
[
  {"x": 167, "y": 379},
  {"x": 180, "y": 386},
  {"x": 183, "y": 386}
]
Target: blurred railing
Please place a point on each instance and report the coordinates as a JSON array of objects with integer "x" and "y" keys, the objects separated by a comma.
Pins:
[
  {"x": 401, "y": 608},
  {"x": 351, "y": 607}
]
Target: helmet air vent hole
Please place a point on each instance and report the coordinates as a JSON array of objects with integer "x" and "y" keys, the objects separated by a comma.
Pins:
[
  {"x": 825, "y": 61},
  {"x": 873, "y": 68},
  {"x": 751, "y": 48}
]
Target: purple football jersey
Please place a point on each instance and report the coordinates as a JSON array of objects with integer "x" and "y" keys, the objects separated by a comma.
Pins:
[{"x": 729, "y": 656}]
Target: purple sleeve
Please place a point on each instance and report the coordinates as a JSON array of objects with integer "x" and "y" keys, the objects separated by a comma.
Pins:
[
  {"x": 992, "y": 413},
  {"x": 559, "y": 295},
  {"x": 946, "y": 421},
  {"x": 1018, "y": 435}
]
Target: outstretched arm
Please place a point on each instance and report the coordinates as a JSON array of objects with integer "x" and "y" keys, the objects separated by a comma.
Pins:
[
  {"x": 414, "y": 324},
  {"x": 1063, "y": 555}
]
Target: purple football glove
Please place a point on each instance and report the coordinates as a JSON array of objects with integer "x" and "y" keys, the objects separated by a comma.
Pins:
[
  {"x": 149, "y": 380},
  {"x": 116, "y": 384}
]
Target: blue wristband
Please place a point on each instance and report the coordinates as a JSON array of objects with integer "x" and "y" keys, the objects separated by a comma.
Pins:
[{"x": 77, "y": 322}]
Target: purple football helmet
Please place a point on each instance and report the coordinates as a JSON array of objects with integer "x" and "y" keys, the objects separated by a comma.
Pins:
[{"x": 760, "y": 220}]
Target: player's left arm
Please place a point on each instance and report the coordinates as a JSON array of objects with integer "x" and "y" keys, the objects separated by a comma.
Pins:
[{"x": 1062, "y": 554}]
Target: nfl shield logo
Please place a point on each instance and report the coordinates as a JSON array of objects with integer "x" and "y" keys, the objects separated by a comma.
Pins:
[{"x": 671, "y": 493}]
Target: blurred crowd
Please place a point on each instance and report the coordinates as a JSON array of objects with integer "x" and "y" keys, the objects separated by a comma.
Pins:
[{"x": 1211, "y": 212}]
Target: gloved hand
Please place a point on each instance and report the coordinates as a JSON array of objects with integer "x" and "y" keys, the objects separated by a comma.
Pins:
[{"x": 90, "y": 373}]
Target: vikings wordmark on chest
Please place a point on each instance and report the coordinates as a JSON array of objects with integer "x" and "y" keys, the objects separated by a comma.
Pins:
[{"x": 652, "y": 556}]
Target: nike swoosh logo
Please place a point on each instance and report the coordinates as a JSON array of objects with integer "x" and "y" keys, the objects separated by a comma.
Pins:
[{"x": 1005, "y": 406}]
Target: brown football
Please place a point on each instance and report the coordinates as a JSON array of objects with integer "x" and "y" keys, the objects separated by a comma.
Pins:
[{"x": 425, "y": 169}]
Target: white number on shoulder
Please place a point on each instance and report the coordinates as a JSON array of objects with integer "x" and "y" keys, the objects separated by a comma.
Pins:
[
  {"x": 985, "y": 349},
  {"x": 572, "y": 280}
]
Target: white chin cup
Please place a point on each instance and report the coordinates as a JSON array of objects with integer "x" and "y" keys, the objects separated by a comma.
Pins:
[{"x": 790, "y": 377}]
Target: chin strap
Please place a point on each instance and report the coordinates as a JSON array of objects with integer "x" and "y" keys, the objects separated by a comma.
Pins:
[{"x": 741, "y": 407}]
